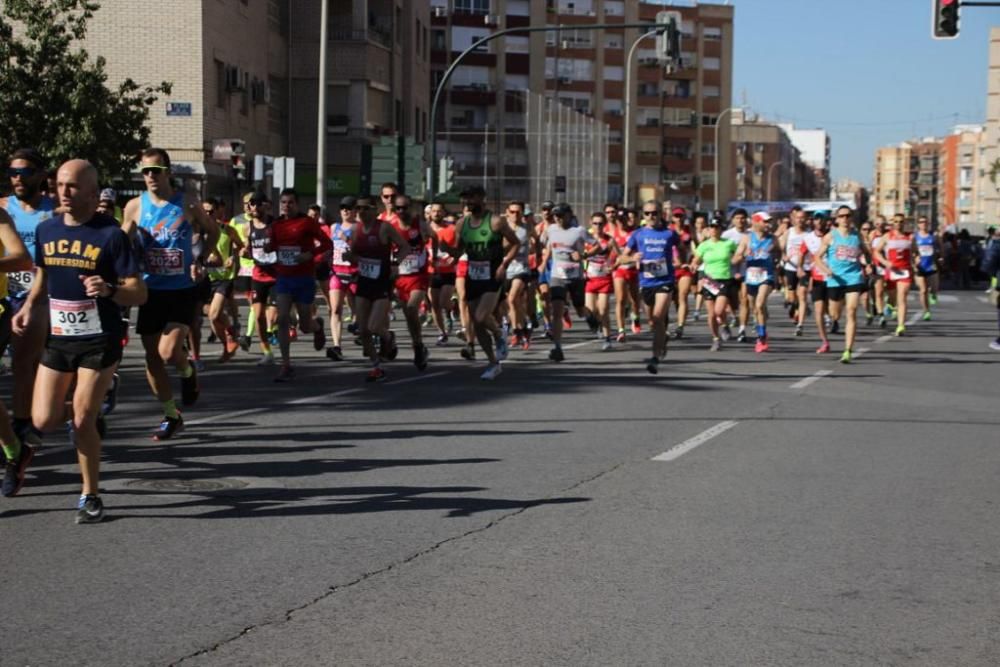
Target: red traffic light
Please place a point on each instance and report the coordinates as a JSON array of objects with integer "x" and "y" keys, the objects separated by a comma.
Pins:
[{"x": 945, "y": 19}]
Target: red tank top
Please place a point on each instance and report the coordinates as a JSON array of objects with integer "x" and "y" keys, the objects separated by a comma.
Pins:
[
  {"x": 415, "y": 263},
  {"x": 373, "y": 255}
]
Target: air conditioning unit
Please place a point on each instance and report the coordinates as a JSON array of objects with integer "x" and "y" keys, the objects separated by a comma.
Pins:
[
  {"x": 440, "y": 12},
  {"x": 565, "y": 80}
]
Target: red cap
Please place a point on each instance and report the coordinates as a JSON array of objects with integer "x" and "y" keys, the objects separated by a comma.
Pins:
[{"x": 679, "y": 211}]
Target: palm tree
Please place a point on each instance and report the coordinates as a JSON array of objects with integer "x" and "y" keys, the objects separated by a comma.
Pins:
[{"x": 995, "y": 171}]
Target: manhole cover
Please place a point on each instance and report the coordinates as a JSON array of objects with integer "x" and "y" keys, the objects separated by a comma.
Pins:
[{"x": 187, "y": 485}]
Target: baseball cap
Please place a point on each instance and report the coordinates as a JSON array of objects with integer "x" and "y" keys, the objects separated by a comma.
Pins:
[
  {"x": 348, "y": 202},
  {"x": 107, "y": 194},
  {"x": 547, "y": 205},
  {"x": 761, "y": 216},
  {"x": 678, "y": 211},
  {"x": 562, "y": 209},
  {"x": 247, "y": 197}
]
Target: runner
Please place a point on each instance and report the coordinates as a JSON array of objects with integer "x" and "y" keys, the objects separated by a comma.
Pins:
[
  {"x": 839, "y": 258},
  {"x": 519, "y": 275},
  {"x": 243, "y": 283},
  {"x": 371, "y": 250},
  {"x": 413, "y": 280},
  {"x": 86, "y": 273},
  {"x": 544, "y": 272},
  {"x": 107, "y": 204},
  {"x": 600, "y": 259},
  {"x": 682, "y": 272},
  {"x": 896, "y": 255},
  {"x": 28, "y": 207},
  {"x": 443, "y": 276},
  {"x": 928, "y": 255},
  {"x": 760, "y": 252},
  {"x": 716, "y": 256},
  {"x": 343, "y": 285},
  {"x": 736, "y": 233},
  {"x": 796, "y": 291},
  {"x": 564, "y": 245},
  {"x": 817, "y": 278},
  {"x": 164, "y": 221},
  {"x": 625, "y": 277},
  {"x": 300, "y": 243},
  {"x": 652, "y": 248},
  {"x": 13, "y": 257},
  {"x": 480, "y": 235},
  {"x": 878, "y": 239},
  {"x": 221, "y": 265},
  {"x": 991, "y": 267},
  {"x": 264, "y": 274}
]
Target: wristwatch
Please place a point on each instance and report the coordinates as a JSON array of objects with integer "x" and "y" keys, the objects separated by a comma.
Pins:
[{"x": 113, "y": 288}]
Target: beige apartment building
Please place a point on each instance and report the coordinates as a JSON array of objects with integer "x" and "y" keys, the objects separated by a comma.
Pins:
[
  {"x": 248, "y": 71},
  {"x": 988, "y": 200}
]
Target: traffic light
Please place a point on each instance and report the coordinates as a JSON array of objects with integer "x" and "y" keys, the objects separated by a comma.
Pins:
[
  {"x": 668, "y": 40},
  {"x": 238, "y": 158},
  {"x": 945, "y": 19},
  {"x": 446, "y": 174}
]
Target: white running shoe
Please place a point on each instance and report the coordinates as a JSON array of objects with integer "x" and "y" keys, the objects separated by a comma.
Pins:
[
  {"x": 266, "y": 360},
  {"x": 491, "y": 372}
]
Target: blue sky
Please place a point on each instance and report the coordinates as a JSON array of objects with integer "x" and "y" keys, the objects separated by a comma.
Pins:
[{"x": 865, "y": 70}]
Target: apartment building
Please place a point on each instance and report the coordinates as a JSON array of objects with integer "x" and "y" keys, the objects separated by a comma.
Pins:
[
  {"x": 249, "y": 71},
  {"x": 583, "y": 71},
  {"x": 814, "y": 148},
  {"x": 767, "y": 164},
  {"x": 960, "y": 180},
  {"x": 988, "y": 205},
  {"x": 906, "y": 179}
]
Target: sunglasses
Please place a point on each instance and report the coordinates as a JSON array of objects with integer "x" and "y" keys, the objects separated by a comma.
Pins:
[
  {"x": 22, "y": 172},
  {"x": 843, "y": 215},
  {"x": 153, "y": 169},
  {"x": 388, "y": 196},
  {"x": 649, "y": 213},
  {"x": 346, "y": 208}
]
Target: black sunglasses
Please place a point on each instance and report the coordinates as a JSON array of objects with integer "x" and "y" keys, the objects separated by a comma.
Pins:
[
  {"x": 23, "y": 172},
  {"x": 153, "y": 169},
  {"x": 647, "y": 213}
]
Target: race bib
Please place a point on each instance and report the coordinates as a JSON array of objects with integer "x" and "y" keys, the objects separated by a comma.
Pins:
[
  {"x": 925, "y": 250},
  {"x": 756, "y": 275},
  {"x": 479, "y": 271},
  {"x": 165, "y": 261},
  {"x": 20, "y": 281},
  {"x": 597, "y": 268},
  {"x": 288, "y": 255},
  {"x": 262, "y": 257},
  {"x": 245, "y": 271},
  {"x": 899, "y": 274},
  {"x": 654, "y": 269},
  {"x": 847, "y": 252},
  {"x": 369, "y": 268},
  {"x": 516, "y": 268},
  {"x": 711, "y": 286},
  {"x": 338, "y": 256},
  {"x": 74, "y": 318},
  {"x": 564, "y": 270},
  {"x": 412, "y": 264}
]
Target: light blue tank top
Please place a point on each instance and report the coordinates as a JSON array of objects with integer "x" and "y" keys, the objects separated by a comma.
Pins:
[
  {"x": 760, "y": 261},
  {"x": 166, "y": 243},
  {"x": 844, "y": 259},
  {"x": 25, "y": 222},
  {"x": 925, "y": 248}
]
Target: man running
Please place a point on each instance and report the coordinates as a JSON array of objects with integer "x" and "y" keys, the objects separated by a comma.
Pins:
[
  {"x": 928, "y": 253},
  {"x": 480, "y": 235},
  {"x": 839, "y": 258},
  {"x": 300, "y": 243},
  {"x": 264, "y": 274},
  {"x": 28, "y": 207},
  {"x": 13, "y": 257},
  {"x": 412, "y": 279},
  {"x": 796, "y": 291},
  {"x": 443, "y": 277},
  {"x": 817, "y": 278},
  {"x": 164, "y": 220},
  {"x": 221, "y": 265},
  {"x": 759, "y": 251},
  {"x": 896, "y": 254},
  {"x": 565, "y": 245},
  {"x": 86, "y": 273},
  {"x": 519, "y": 274},
  {"x": 652, "y": 250},
  {"x": 736, "y": 233}
]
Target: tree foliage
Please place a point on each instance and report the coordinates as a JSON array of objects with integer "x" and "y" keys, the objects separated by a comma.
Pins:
[{"x": 54, "y": 97}]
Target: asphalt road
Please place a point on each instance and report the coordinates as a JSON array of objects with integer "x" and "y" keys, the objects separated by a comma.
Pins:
[{"x": 737, "y": 509}]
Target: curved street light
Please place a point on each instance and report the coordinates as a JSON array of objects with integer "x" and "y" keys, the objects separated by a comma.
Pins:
[
  {"x": 715, "y": 190},
  {"x": 769, "y": 172}
]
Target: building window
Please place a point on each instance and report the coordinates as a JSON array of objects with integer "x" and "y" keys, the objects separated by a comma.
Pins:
[
  {"x": 709, "y": 120},
  {"x": 221, "y": 95},
  {"x": 472, "y": 6},
  {"x": 711, "y": 63},
  {"x": 711, "y": 33},
  {"x": 614, "y": 73},
  {"x": 245, "y": 95},
  {"x": 708, "y": 149},
  {"x": 612, "y": 41},
  {"x": 711, "y": 91},
  {"x": 439, "y": 40}
]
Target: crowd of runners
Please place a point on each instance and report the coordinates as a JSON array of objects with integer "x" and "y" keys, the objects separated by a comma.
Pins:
[{"x": 75, "y": 268}]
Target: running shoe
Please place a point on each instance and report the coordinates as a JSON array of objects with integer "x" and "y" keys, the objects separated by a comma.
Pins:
[
  {"x": 767, "y": 346},
  {"x": 231, "y": 345},
  {"x": 679, "y": 332},
  {"x": 502, "y": 349},
  {"x": 190, "y": 389},
  {"x": 244, "y": 342},
  {"x": 869, "y": 318},
  {"x": 653, "y": 365},
  {"x": 900, "y": 331},
  {"x": 375, "y": 375},
  {"x": 835, "y": 327},
  {"x": 716, "y": 345},
  {"x": 845, "y": 358},
  {"x": 442, "y": 339},
  {"x": 741, "y": 336},
  {"x": 556, "y": 354},
  {"x": 111, "y": 398},
  {"x": 212, "y": 337},
  {"x": 226, "y": 355},
  {"x": 352, "y": 328},
  {"x": 13, "y": 474},
  {"x": 293, "y": 334},
  {"x": 593, "y": 323},
  {"x": 823, "y": 349},
  {"x": 548, "y": 332},
  {"x": 926, "y": 316},
  {"x": 881, "y": 322},
  {"x": 319, "y": 336},
  {"x": 567, "y": 320},
  {"x": 526, "y": 343},
  {"x": 933, "y": 299},
  {"x": 515, "y": 340},
  {"x": 461, "y": 334},
  {"x": 90, "y": 509},
  {"x": 468, "y": 352},
  {"x": 286, "y": 374},
  {"x": 168, "y": 428},
  {"x": 606, "y": 345},
  {"x": 266, "y": 360},
  {"x": 697, "y": 316},
  {"x": 995, "y": 345},
  {"x": 798, "y": 330},
  {"x": 272, "y": 338},
  {"x": 621, "y": 337},
  {"x": 198, "y": 364},
  {"x": 334, "y": 353},
  {"x": 759, "y": 346},
  {"x": 420, "y": 357},
  {"x": 727, "y": 333},
  {"x": 636, "y": 327},
  {"x": 491, "y": 372}
]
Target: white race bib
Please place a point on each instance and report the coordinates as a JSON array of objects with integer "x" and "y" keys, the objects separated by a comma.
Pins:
[
  {"x": 654, "y": 269},
  {"x": 563, "y": 270},
  {"x": 412, "y": 263},
  {"x": 74, "y": 318},
  {"x": 756, "y": 275},
  {"x": 479, "y": 271},
  {"x": 20, "y": 281},
  {"x": 369, "y": 268},
  {"x": 711, "y": 286},
  {"x": 245, "y": 271},
  {"x": 165, "y": 261},
  {"x": 288, "y": 255},
  {"x": 597, "y": 268},
  {"x": 925, "y": 250},
  {"x": 899, "y": 274}
]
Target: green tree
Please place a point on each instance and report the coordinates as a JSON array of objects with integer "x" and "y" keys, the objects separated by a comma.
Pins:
[{"x": 54, "y": 97}]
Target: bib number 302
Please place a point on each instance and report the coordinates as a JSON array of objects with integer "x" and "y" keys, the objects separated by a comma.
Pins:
[{"x": 74, "y": 318}]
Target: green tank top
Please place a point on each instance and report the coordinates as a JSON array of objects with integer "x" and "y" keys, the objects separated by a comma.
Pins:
[
  {"x": 224, "y": 248},
  {"x": 481, "y": 243},
  {"x": 241, "y": 224}
]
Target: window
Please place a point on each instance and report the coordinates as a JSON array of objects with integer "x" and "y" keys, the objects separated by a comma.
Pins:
[
  {"x": 709, "y": 120},
  {"x": 612, "y": 41},
  {"x": 614, "y": 8},
  {"x": 615, "y": 137},
  {"x": 711, "y": 63},
  {"x": 517, "y": 44},
  {"x": 758, "y": 170},
  {"x": 571, "y": 39},
  {"x": 245, "y": 95},
  {"x": 518, "y": 8},
  {"x": 221, "y": 96},
  {"x": 711, "y": 33},
  {"x": 472, "y": 6},
  {"x": 438, "y": 40},
  {"x": 708, "y": 149},
  {"x": 759, "y": 148},
  {"x": 614, "y": 73}
]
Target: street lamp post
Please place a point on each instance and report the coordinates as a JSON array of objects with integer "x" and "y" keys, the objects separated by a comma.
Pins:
[
  {"x": 769, "y": 171},
  {"x": 321, "y": 108},
  {"x": 715, "y": 189},
  {"x": 627, "y": 139}
]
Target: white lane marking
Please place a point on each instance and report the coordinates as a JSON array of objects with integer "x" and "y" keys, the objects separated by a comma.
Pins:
[
  {"x": 576, "y": 345},
  {"x": 913, "y": 319},
  {"x": 224, "y": 416},
  {"x": 983, "y": 299},
  {"x": 309, "y": 400},
  {"x": 683, "y": 448},
  {"x": 884, "y": 339},
  {"x": 947, "y": 298},
  {"x": 805, "y": 382},
  {"x": 862, "y": 351}
]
